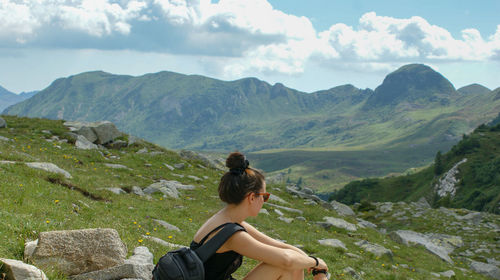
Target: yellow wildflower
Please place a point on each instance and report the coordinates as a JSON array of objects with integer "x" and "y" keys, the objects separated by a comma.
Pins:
[{"x": 140, "y": 240}]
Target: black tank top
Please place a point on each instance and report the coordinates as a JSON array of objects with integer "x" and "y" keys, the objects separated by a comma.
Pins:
[{"x": 219, "y": 266}]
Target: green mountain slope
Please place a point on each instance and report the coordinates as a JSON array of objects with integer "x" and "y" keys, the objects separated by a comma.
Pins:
[
  {"x": 34, "y": 201},
  {"x": 478, "y": 179},
  {"x": 416, "y": 111}
]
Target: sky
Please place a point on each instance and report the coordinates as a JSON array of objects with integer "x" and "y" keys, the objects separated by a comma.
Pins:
[{"x": 306, "y": 45}]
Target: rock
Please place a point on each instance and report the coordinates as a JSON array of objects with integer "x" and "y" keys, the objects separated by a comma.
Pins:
[
  {"x": 83, "y": 144},
  {"x": 29, "y": 248},
  {"x": 365, "y": 224},
  {"x": 422, "y": 203},
  {"x": 286, "y": 220},
  {"x": 194, "y": 178},
  {"x": 408, "y": 237},
  {"x": 50, "y": 167},
  {"x": 142, "y": 151},
  {"x": 448, "y": 273},
  {"x": 278, "y": 212},
  {"x": 473, "y": 218},
  {"x": 74, "y": 252},
  {"x": 116, "y": 166},
  {"x": 166, "y": 225},
  {"x": 166, "y": 187},
  {"x": 177, "y": 185},
  {"x": 275, "y": 198},
  {"x": 87, "y": 133},
  {"x": 117, "y": 144},
  {"x": 354, "y": 256},
  {"x": 134, "y": 271},
  {"x": 485, "y": 269},
  {"x": 137, "y": 190},
  {"x": 180, "y": 166},
  {"x": 385, "y": 207},
  {"x": 350, "y": 271},
  {"x": 17, "y": 270},
  {"x": 332, "y": 243},
  {"x": 207, "y": 161},
  {"x": 446, "y": 185},
  {"x": 276, "y": 179},
  {"x": 300, "y": 212},
  {"x": 162, "y": 242},
  {"x": 169, "y": 167},
  {"x": 300, "y": 218},
  {"x": 342, "y": 209},
  {"x": 5, "y": 139},
  {"x": 3, "y": 123},
  {"x": 141, "y": 255},
  {"x": 264, "y": 211},
  {"x": 116, "y": 190},
  {"x": 338, "y": 223},
  {"x": 375, "y": 249}
]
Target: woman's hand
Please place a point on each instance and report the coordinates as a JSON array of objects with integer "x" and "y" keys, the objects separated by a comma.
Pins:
[{"x": 322, "y": 265}]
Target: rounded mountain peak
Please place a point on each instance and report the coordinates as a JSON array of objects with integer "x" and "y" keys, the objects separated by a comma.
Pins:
[{"x": 412, "y": 83}]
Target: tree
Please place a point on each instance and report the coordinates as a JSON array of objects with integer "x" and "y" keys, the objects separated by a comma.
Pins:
[{"x": 438, "y": 163}]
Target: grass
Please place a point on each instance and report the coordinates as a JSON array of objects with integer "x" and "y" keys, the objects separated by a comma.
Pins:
[{"x": 34, "y": 201}]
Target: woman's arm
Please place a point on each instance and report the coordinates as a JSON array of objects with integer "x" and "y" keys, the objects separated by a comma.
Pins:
[
  {"x": 255, "y": 233},
  {"x": 246, "y": 245}
]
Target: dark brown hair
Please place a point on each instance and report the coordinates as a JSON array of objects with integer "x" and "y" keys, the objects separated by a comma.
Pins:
[{"x": 239, "y": 180}]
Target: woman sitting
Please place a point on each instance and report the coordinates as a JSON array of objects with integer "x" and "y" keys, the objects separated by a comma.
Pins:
[{"x": 244, "y": 190}]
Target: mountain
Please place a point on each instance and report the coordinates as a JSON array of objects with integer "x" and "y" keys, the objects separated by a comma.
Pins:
[
  {"x": 415, "y": 83},
  {"x": 474, "y": 89},
  {"x": 465, "y": 177},
  {"x": 412, "y": 115},
  {"x": 8, "y": 98}
]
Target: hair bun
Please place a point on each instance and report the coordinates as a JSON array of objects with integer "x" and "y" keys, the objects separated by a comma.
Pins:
[{"x": 237, "y": 160}]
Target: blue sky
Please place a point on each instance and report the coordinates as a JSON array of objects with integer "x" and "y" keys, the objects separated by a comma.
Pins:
[{"x": 306, "y": 45}]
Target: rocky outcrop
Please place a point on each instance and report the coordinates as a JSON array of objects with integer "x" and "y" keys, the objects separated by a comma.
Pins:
[
  {"x": 75, "y": 252},
  {"x": 50, "y": 167},
  {"x": 3, "y": 123},
  {"x": 84, "y": 144},
  {"x": 375, "y": 249},
  {"x": 17, "y": 270},
  {"x": 440, "y": 245},
  {"x": 333, "y": 243},
  {"x": 342, "y": 209},
  {"x": 486, "y": 269},
  {"x": 168, "y": 188},
  {"x": 97, "y": 132},
  {"x": 447, "y": 184},
  {"x": 212, "y": 163},
  {"x": 337, "y": 223}
]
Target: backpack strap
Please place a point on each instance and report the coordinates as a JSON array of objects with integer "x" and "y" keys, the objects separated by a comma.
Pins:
[{"x": 207, "y": 250}]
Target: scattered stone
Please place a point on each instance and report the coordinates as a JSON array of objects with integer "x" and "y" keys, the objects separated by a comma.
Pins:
[
  {"x": 141, "y": 255},
  {"x": 365, "y": 224},
  {"x": 142, "y": 151},
  {"x": 485, "y": 269},
  {"x": 83, "y": 143},
  {"x": 448, "y": 273},
  {"x": 408, "y": 237},
  {"x": 332, "y": 243},
  {"x": 375, "y": 249},
  {"x": 116, "y": 190},
  {"x": 385, "y": 207},
  {"x": 50, "y": 167},
  {"x": 17, "y": 270},
  {"x": 74, "y": 252},
  {"x": 124, "y": 271},
  {"x": 300, "y": 218},
  {"x": 178, "y": 175},
  {"x": 422, "y": 203},
  {"x": 169, "y": 166},
  {"x": 300, "y": 212},
  {"x": 117, "y": 144},
  {"x": 276, "y": 179},
  {"x": 137, "y": 190},
  {"x": 3, "y": 123},
  {"x": 338, "y": 223},
  {"x": 116, "y": 166},
  {"x": 286, "y": 220},
  {"x": 102, "y": 132},
  {"x": 342, "y": 209},
  {"x": 5, "y": 139},
  {"x": 276, "y": 198},
  {"x": 207, "y": 161},
  {"x": 46, "y": 131},
  {"x": 166, "y": 225},
  {"x": 201, "y": 166},
  {"x": 264, "y": 211},
  {"x": 163, "y": 242},
  {"x": 29, "y": 248},
  {"x": 194, "y": 178},
  {"x": 278, "y": 212},
  {"x": 350, "y": 271},
  {"x": 180, "y": 166},
  {"x": 148, "y": 165},
  {"x": 354, "y": 256}
]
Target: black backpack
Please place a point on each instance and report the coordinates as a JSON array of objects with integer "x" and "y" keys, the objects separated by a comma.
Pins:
[{"x": 187, "y": 264}]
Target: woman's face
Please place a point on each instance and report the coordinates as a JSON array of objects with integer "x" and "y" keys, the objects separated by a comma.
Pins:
[{"x": 259, "y": 200}]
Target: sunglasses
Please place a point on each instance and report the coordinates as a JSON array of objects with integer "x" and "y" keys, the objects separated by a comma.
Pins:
[{"x": 265, "y": 195}]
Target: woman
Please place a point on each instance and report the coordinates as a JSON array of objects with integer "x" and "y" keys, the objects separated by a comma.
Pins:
[{"x": 244, "y": 190}]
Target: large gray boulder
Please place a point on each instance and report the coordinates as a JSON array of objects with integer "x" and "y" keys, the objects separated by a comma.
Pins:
[
  {"x": 408, "y": 238},
  {"x": 342, "y": 209},
  {"x": 96, "y": 132},
  {"x": 50, "y": 167},
  {"x": 485, "y": 269},
  {"x": 337, "y": 223},
  {"x": 79, "y": 251},
  {"x": 333, "y": 243},
  {"x": 84, "y": 144},
  {"x": 17, "y": 270},
  {"x": 377, "y": 250},
  {"x": 138, "y": 266},
  {"x": 3, "y": 123}
]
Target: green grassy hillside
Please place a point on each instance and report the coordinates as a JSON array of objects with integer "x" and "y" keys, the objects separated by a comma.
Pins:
[
  {"x": 33, "y": 201},
  {"x": 479, "y": 178}
]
